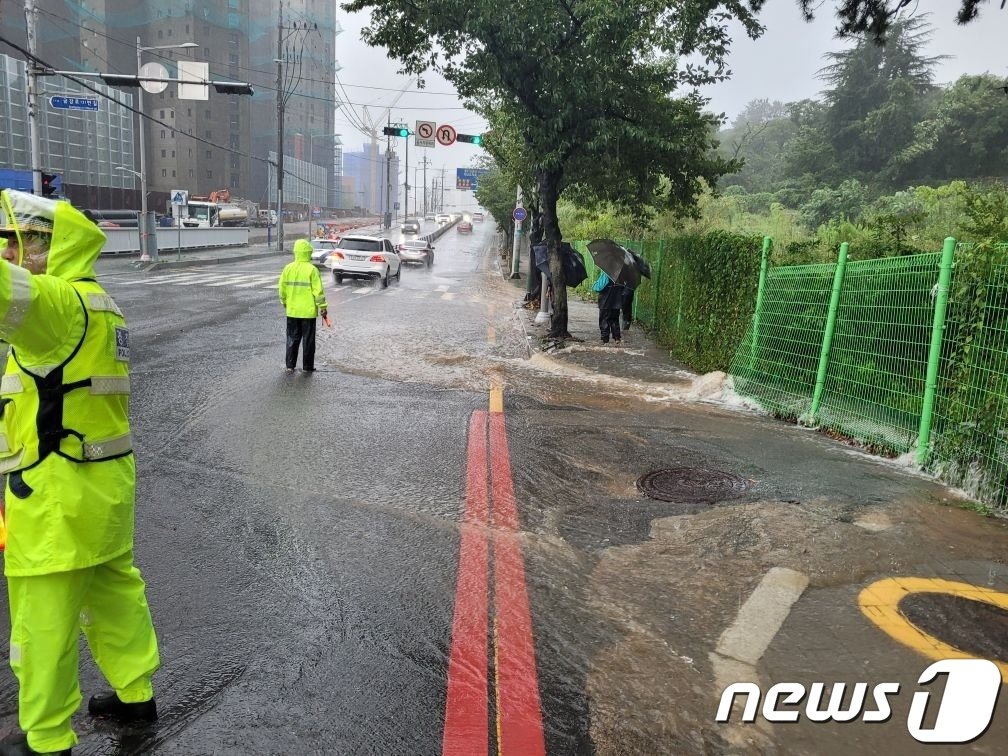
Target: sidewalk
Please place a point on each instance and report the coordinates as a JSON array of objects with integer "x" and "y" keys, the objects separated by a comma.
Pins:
[
  {"x": 779, "y": 556},
  {"x": 637, "y": 359}
]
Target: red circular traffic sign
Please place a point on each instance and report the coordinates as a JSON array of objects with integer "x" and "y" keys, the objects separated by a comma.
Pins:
[{"x": 446, "y": 134}]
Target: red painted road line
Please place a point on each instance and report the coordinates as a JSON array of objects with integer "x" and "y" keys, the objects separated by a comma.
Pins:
[
  {"x": 519, "y": 714},
  {"x": 465, "y": 730}
]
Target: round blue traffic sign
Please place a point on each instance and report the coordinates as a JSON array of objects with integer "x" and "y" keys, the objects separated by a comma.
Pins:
[{"x": 519, "y": 214}]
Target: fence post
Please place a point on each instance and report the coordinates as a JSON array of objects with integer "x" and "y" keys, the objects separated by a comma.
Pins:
[
  {"x": 764, "y": 263},
  {"x": 827, "y": 344},
  {"x": 657, "y": 284},
  {"x": 934, "y": 354}
]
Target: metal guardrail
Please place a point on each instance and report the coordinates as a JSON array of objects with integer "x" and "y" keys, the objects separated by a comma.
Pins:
[{"x": 124, "y": 241}]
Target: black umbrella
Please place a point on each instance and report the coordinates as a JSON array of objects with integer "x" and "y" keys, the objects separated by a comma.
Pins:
[
  {"x": 617, "y": 262},
  {"x": 643, "y": 266},
  {"x": 573, "y": 263}
]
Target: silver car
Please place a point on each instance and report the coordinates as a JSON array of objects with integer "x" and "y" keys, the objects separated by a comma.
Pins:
[
  {"x": 364, "y": 257},
  {"x": 321, "y": 249},
  {"x": 416, "y": 250}
]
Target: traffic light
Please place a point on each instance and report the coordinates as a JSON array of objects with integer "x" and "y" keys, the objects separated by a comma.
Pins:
[
  {"x": 399, "y": 131},
  {"x": 48, "y": 184},
  {"x": 476, "y": 139}
]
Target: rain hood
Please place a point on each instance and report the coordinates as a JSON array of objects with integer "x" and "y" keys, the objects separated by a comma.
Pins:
[
  {"x": 302, "y": 250},
  {"x": 76, "y": 241}
]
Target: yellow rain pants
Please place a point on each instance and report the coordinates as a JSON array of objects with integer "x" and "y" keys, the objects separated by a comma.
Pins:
[{"x": 48, "y": 612}]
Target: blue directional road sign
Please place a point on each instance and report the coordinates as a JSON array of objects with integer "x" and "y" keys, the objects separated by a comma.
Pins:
[
  {"x": 468, "y": 178},
  {"x": 519, "y": 214},
  {"x": 68, "y": 102}
]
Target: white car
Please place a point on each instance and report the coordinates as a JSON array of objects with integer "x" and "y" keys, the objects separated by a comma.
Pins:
[
  {"x": 443, "y": 218},
  {"x": 364, "y": 257}
]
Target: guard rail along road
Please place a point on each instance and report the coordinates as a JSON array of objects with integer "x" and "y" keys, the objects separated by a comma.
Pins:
[{"x": 125, "y": 241}]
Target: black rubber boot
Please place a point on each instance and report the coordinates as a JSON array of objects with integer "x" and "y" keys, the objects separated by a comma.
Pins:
[
  {"x": 17, "y": 745},
  {"x": 108, "y": 706}
]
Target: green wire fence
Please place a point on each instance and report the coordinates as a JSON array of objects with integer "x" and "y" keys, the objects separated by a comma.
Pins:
[{"x": 905, "y": 354}]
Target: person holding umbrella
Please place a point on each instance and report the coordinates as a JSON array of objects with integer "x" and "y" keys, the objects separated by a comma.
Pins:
[
  {"x": 644, "y": 268},
  {"x": 624, "y": 268},
  {"x": 610, "y": 297}
]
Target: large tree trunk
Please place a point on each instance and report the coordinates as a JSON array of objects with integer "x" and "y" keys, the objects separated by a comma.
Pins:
[{"x": 549, "y": 182}]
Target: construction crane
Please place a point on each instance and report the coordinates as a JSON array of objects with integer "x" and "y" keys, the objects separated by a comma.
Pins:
[{"x": 370, "y": 123}]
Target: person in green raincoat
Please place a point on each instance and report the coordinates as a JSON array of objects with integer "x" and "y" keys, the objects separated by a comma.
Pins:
[
  {"x": 304, "y": 300},
  {"x": 71, "y": 477}
]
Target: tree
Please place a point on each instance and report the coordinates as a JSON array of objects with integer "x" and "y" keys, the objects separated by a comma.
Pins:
[
  {"x": 578, "y": 94},
  {"x": 965, "y": 135},
  {"x": 876, "y": 96},
  {"x": 874, "y": 17}
]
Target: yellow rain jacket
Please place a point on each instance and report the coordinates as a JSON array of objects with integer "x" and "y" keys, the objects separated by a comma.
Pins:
[
  {"x": 300, "y": 284},
  {"x": 66, "y": 445}
]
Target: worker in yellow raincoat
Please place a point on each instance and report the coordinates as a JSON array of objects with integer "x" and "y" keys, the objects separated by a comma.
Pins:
[
  {"x": 301, "y": 294},
  {"x": 71, "y": 479}
]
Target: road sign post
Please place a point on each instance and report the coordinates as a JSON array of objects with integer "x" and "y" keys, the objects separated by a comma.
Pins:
[
  {"x": 424, "y": 134},
  {"x": 446, "y": 134},
  {"x": 179, "y": 198}
]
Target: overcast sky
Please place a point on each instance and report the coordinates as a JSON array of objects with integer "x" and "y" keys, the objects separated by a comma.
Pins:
[{"x": 781, "y": 65}]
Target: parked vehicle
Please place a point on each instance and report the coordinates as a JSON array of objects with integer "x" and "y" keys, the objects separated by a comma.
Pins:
[
  {"x": 265, "y": 218},
  {"x": 465, "y": 227},
  {"x": 364, "y": 257},
  {"x": 416, "y": 250},
  {"x": 410, "y": 226}
]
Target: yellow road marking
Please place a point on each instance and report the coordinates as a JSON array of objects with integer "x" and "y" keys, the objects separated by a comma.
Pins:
[
  {"x": 496, "y": 398},
  {"x": 879, "y": 602}
]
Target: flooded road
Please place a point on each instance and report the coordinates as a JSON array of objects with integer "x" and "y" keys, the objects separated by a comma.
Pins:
[{"x": 437, "y": 544}]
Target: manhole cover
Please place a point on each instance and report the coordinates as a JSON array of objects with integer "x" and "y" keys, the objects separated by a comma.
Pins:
[
  {"x": 978, "y": 628},
  {"x": 691, "y": 484}
]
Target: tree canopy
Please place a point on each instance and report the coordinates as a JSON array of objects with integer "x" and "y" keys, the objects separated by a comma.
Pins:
[{"x": 579, "y": 95}]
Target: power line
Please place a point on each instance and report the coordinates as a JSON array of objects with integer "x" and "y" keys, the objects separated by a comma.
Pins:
[
  {"x": 266, "y": 74},
  {"x": 39, "y": 61}
]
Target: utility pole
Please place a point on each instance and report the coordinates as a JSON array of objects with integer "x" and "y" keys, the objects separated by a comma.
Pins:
[
  {"x": 442, "y": 189},
  {"x": 280, "y": 130},
  {"x": 31, "y": 91},
  {"x": 406, "y": 181},
  {"x": 387, "y": 215},
  {"x": 425, "y": 161}
]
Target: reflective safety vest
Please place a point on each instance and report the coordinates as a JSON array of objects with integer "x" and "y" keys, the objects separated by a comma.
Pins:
[{"x": 77, "y": 409}]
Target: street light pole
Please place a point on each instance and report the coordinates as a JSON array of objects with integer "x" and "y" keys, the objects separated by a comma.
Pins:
[
  {"x": 144, "y": 254},
  {"x": 280, "y": 130}
]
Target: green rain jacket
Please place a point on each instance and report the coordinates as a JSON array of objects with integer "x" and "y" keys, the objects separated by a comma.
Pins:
[
  {"x": 66, "y": 444},
  {"x": 300, "y": 285}
]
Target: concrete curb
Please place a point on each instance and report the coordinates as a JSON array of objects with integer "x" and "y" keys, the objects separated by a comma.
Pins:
[{"x": 211, "y": 260}]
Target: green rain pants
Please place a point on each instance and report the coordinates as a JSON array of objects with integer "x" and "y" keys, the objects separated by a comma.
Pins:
[{"x": 48, "y": 612}]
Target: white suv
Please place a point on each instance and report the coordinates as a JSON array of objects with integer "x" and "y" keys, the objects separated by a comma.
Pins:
[{"x": 364, "y": 257}]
